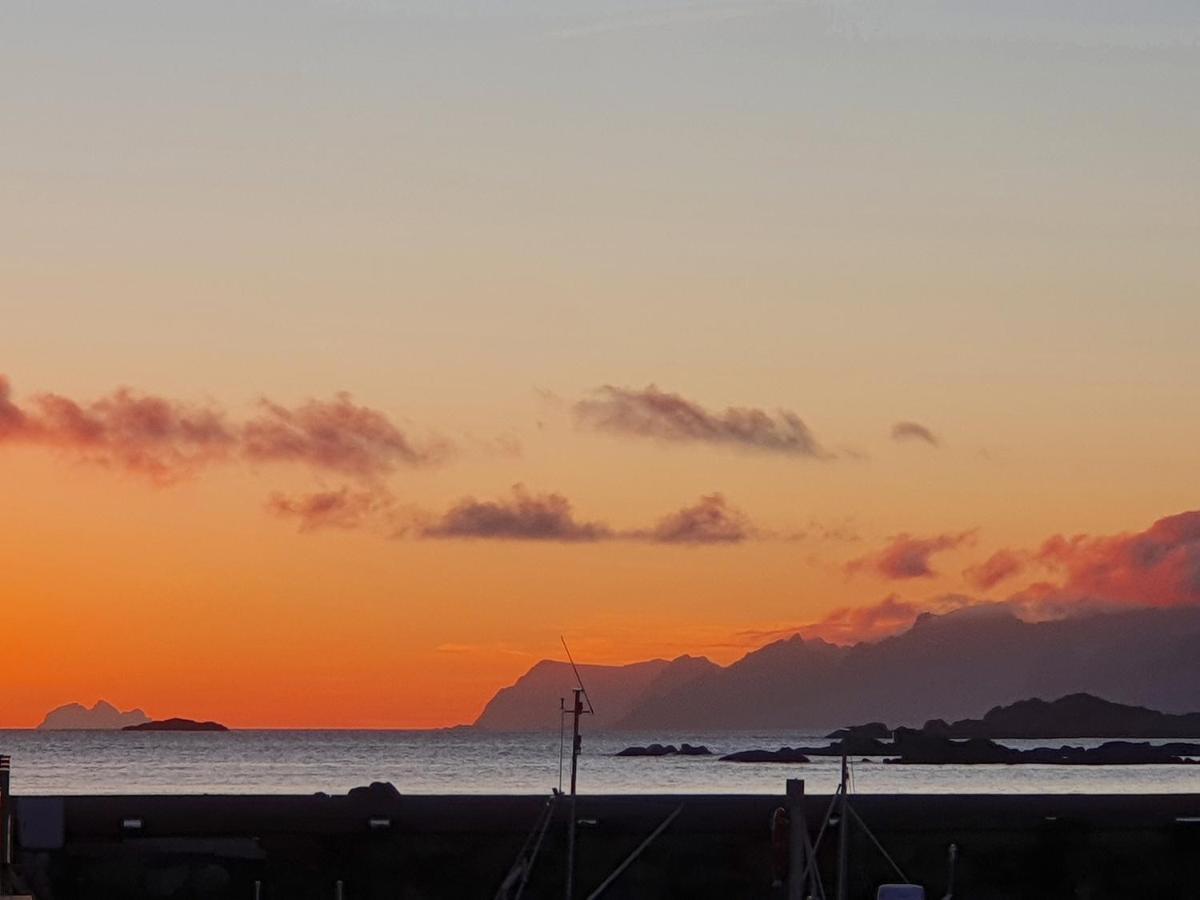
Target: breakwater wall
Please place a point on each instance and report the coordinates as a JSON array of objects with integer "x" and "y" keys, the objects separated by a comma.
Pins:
[{"x": 383, "y": 845}]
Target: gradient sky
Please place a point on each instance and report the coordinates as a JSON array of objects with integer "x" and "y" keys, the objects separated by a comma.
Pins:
[{"x": 977, "y": 218}]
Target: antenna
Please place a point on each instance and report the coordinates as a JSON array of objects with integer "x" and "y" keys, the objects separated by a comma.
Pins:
[
  {"x": 578, "y": 679},
  {"x": 576, "y": 711}
]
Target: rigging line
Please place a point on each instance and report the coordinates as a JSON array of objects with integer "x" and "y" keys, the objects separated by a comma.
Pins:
[
  {"x": 575, "y": 668},
  {"x": 875, "y": 841},
  {"x": 820, "y": 834},
  {"x": 533, "y": 855}
]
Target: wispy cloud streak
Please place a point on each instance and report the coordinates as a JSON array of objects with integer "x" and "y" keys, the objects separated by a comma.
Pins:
[
  {"x": 914, "y": 431},
  {"x": 652, "y": 413}
]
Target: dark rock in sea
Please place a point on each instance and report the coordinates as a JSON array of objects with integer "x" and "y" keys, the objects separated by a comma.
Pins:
[
  {"x": 913, "y": 746},
  {"x": 652, "y": 750},
  {"x": 376, "y": 790},
  {"x": 1075, "y": 715},
  {"x": 782, "y": 755},
  {"x": 667, "y": 750},
  {"x": 922, "y": 748},
  {"x": 878, "y": 731},
  {"x": 176, "y": 725}
]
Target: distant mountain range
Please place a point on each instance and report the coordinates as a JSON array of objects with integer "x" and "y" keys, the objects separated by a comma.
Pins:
[
  {"x": 101, "y": 717},
  {"x": 947, "y": 666},
  {"x": 532, "y": 704}
]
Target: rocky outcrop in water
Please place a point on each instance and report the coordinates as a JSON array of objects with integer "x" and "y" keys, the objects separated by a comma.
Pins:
[
  {"x": 176, "y": 724},
  {"x": 782, "y": 755},
  {"x": 666, "y": 750}
]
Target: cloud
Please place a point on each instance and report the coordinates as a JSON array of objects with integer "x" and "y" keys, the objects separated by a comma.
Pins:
[
  {"x": 914, "y": 431},
  {"x": 163, "y": 440},
  {"x": 854, "y": 624},
  {"x": 335, "y": 435},
  {"x": 526, "y": 516},
  {"x": 342, "y": 508},
  {"x": 848, "y": 624},
  {"x": 1001, "y": 565},
  {"x": 652, "y": 413},
  {"x": 709, "y": 521},
  {"x": 873, "y": 622},
  {"x": 906, "y": 556},
  {"x": 1156, "y": 567},
  {"x": 523, "y": 516},
  {"x": 167, "y": 440}
]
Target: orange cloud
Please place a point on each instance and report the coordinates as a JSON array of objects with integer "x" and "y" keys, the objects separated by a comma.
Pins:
[
  {"x": 906, "y": 556},
  {"x": 653, "y": 413}
]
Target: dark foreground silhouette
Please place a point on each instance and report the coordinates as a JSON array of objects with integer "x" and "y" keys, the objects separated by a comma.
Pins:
[{"x": 382, "y": 844}]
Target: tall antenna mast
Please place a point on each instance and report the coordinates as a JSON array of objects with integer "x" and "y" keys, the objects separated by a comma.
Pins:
[{"x": 577, "y": 710}]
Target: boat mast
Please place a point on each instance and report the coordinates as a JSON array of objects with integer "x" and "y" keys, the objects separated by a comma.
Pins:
[{"x": 577, "y": 710}]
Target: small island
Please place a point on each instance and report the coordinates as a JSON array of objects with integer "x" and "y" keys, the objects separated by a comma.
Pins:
[
  {"x": 176, "y": 724},
  {"x": 974, "y": 741}
]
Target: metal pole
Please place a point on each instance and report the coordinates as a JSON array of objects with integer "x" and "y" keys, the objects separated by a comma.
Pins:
[
  {"x": 796, "y": 835},
  {"x": 843, "y": 838},
  {"x": 5, "y": 822},
  {"x": 562, "y": 711},
  {"x": 575, "y": 747}
]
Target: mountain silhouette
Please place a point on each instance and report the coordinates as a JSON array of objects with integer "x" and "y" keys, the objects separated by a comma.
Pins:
[
  {"x": 531, "y": 704},
  {"x": 101, "y": 717},
  {"x": 948, "y": 666}
]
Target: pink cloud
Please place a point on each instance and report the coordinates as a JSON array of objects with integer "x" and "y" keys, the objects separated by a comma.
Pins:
[
  {"x": 166, "y": 440},
  {"x": 163, "y": 440},
  {"x": 1001, "y": 565},
  {"x": 906, "y": 556},
  {"x": 342, "y": 508}
]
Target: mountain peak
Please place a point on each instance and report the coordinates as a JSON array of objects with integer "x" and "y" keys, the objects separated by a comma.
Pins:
[{"x": 103, "y": 716}]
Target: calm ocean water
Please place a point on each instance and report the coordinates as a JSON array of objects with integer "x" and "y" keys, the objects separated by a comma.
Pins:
[{"x": 465, "y": 762}]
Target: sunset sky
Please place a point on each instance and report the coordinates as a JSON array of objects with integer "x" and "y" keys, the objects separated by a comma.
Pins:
[{"x": 351, "y": 351}]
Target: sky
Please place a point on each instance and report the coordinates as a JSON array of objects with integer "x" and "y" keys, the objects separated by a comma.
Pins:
[{"x": 355, "y": 350}]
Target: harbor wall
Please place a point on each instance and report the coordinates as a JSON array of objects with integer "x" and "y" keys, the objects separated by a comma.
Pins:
[{"x": 381, "y": 845}]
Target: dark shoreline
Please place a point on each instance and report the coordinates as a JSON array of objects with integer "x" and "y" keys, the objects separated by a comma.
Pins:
[{"x": 420, "y": 847}]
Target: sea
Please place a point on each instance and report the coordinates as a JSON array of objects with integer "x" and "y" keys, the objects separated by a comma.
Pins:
[{"x": 464, "y": 761}]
